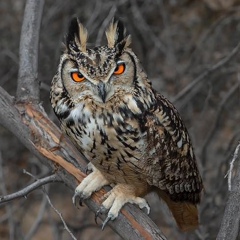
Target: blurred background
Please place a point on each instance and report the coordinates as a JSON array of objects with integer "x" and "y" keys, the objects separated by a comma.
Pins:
[{"x": 179, "y": 42}]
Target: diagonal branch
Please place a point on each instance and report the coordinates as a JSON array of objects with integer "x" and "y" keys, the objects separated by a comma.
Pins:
[
  {"x": 46, "y": 199},
  {"x": 25, "y": 191},
  {"x": 37, "y": 222},
  {"x": 60, "y": 216},
  {"x": 28, "y": 83}
]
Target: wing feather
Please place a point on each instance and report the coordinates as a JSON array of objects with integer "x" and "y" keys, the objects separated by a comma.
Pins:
[{"x": 170, "y": 163}]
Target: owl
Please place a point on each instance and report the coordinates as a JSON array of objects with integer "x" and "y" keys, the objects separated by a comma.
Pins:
[{"x": 133, "y": 136}]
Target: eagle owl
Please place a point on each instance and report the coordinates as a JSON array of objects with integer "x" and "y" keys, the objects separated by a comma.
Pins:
[{"x": 133, "y": 136}]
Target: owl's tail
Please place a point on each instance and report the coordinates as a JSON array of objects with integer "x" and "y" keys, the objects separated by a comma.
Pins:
[{"x": 185, "y": 213}]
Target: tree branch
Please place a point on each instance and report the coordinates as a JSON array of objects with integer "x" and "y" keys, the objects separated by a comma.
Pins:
[
  {"x": 230, "y": 171},
  {"x": 230, "y": 222},
  {"x": 28, "y": 83},
  {"x": 25, "y": 191}
]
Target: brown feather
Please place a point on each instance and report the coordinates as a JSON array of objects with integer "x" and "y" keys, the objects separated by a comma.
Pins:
[
  {"x": 111, "y": 34},
  {"x": 185, "y": 213},
  {"x": 83, "y": 35}
]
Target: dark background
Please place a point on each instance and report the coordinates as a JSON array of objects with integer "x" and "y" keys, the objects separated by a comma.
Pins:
[{"x": 177, "y": 41}]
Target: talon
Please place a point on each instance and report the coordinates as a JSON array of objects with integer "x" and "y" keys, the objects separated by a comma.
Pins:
[
  {"x": 96, "y": 216},
  {"x": 101, "y": 210},
  {"x": 144, "y": 206},
  {"x": 87, "y": 170},
  {"x": 147, "y": 209},
  {"x": 74, "y": 200},
  {"x": 105, "y": 222},
  {"x": 81, "y": 202}
]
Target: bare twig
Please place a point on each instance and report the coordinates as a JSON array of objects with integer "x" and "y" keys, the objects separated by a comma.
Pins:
[
  {"x": 50, "y": 203},
  {"x": 38, "y": 220},
  {"x": 230, "y": 171},
  {"x": 28, "y": 84},
  {"x": 60, "y": 215},
  {"x": 25, "y": 191},
  {"x": 234, "y": 139},
  {"x": 189, "y": 91}
]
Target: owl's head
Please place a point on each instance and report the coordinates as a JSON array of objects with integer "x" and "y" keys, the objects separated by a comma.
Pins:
[{"x": 101, "y": 73}]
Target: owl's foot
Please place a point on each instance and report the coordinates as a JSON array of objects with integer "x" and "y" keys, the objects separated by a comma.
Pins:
[
  {"x": 92, "y": 183},
  {"x": 88, "y": 169},
  {"x": 117, "y": 198}
]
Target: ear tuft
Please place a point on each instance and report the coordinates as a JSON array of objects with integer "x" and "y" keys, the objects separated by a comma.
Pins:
[
  {"x": 72, "y": 30},
  {"x": 76, "y": 39},
  {"x": 121, "y": 31},
  {"x": 83, "y": 35},
  {"x": 116, "y": 35},
  {"x": 111, "y": 34}
]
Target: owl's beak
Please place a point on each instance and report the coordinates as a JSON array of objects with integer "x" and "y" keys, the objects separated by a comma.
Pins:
[{"x": 103, "y": 91}]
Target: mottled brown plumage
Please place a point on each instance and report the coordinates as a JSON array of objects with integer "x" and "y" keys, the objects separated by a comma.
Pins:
[{"x": 133, "y": 136}]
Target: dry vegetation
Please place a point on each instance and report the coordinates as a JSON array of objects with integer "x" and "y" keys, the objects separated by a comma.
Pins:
[{"x": 190, "y": 50}]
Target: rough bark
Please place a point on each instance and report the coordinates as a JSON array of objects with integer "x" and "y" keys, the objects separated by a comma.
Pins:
[
  {"x": 28, "y": 83},
  {"x": 230, "y": 222}
]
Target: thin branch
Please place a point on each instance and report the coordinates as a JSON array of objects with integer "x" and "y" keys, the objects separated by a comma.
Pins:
[
  {"x": 230, "y": 171},
  {"x": 50, "y": 203},
  {"x": 28, "y": 83},
  {"x": 234, "y": 139},
  {"x": 190, "y": 90},
  {"x": 38, "y": 220},
  {"x": 25, "y": 191},
  {"x": 60, "y": 215}
]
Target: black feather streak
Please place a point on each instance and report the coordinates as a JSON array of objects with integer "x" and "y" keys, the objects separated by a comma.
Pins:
[{"x": 72, "y": 31}]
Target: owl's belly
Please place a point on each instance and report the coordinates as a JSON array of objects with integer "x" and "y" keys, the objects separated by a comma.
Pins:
[{"x": 115, "y": 150}]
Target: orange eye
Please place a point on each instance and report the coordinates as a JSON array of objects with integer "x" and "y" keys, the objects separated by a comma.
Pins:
[
  {"x": 77, "y": 76},
  {"x": 120, "y": 68}
]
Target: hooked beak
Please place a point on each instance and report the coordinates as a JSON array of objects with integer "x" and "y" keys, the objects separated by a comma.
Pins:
[{"x": 104, "y": 91}]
